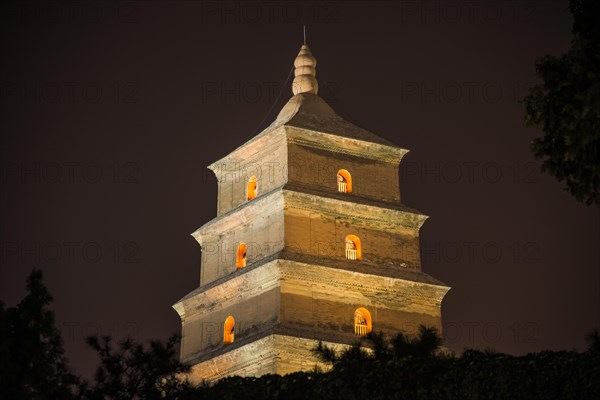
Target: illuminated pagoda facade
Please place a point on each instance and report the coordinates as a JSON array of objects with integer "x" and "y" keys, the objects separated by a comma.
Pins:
[{"x": 310, "y": 243}]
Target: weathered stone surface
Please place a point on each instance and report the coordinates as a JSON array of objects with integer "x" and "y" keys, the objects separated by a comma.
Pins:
[
  {"x": 316, "y": 226},
  {"x": 312, "y": 228},
  {"x": 252, "y": 298},
  {"x": 299, "y": 283},
  {"x": 264, "y": 157},
  {"x": 302, "y": 300},
  {"x": 259, "y": 225},
  {"x": 273, "y": 354}
]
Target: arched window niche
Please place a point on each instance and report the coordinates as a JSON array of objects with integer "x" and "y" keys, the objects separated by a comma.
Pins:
[
  {"x": 353, "y": 247},
  {"x": 252, "y": 189},
  {"x": 362, "y": 322},
  {"x": 344, "y": 181},
  {"x": 228, "y": 330},
  {"x": 240, "y": 257}
]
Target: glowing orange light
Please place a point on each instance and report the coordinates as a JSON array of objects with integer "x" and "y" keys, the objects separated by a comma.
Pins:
[
  {"x": 252, "y": 188},
  {"x": 344, "y": 180},
  {"x": 353, "y": 247},
  {"x": 240, "y": 258},
  {"x": 362, "y": 321},
  {"x": 228, "y": 327}
]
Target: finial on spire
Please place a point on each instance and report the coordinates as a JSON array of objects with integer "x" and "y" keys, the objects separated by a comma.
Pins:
[
  {"x": 304, "y": 29},
  {"x": 305, "y": 72}
]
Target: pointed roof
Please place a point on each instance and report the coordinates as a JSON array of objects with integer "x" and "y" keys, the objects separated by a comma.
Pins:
[{"x": 307, "y": 110}]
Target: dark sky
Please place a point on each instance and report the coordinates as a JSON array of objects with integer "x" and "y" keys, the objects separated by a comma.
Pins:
[{"x": 110, "y": 114}]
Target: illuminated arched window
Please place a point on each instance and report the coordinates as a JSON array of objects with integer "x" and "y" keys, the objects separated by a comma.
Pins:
[
  {"x": 362, "y": 322},
  {"x": 240, "y": 257},
  {"x": 353, "y": 249},
  {"x": 251, "y": 188},
  {"x": 344, "y": 181},
  {"x": 228, "y": 335}
]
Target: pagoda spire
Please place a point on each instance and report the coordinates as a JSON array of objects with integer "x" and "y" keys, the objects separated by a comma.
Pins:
[
  {"x": 305, "y": 72},
  {"x": 304, "y": 30}
]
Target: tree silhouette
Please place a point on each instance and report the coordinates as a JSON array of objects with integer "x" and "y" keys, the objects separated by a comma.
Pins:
[
  {"x": 593, "y": 339},
  {"x": 33, "y": 366},
  {"x": 377, "y": 366},
  {"x": 32, "y": 357},
  {"x": 566, "y": 107},
  {"x": 133, "y": 371}
]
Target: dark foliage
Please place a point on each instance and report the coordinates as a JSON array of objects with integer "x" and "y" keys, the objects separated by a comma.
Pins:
[
  {"x": 414, "y": 368},
  {"x": 32, "y": 357},
  {"x": 566, "y": 107},
  {"x": 594, "y": 342},
  {"x": 33, "y": 366},
  {"x": 296, "y": 386},
  {"x": 133, "y": 371}
]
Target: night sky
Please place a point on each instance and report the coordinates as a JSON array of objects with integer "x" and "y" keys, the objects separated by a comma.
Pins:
[{"x": 111, "y": 112}]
